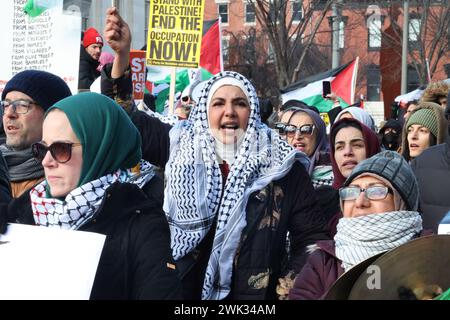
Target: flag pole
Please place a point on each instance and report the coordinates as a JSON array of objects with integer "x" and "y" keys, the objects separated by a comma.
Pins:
[
  {"x": 354, "y": 78},
  {"x": 173, "y": 76},
  {"x": 220, "y": 43}
]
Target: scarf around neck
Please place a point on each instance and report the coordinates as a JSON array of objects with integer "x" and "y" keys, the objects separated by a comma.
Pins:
[
  {"x": 360, "y": 238},
  {"x": 80, "y": 205},
  {"x": 193, "y": 195},
  {"x": 21, "y": 164}
]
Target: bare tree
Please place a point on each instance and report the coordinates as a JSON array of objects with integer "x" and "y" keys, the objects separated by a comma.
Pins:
[
  {"x": 248, "y": 55},
  {"x": 287, "y": 34},
  {"x": 429, "y": 32}
]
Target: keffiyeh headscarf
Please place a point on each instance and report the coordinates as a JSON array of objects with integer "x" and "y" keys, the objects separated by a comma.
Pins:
[
  {"x": 360, "y": 238},
  {"x": 193, "y": 200},
  {"x": 81, "y": 204},
  {"x": 111, "y": 147}
]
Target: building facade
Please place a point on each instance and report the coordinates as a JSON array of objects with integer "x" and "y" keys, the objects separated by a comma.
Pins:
[{"x": 370, "y": 31}]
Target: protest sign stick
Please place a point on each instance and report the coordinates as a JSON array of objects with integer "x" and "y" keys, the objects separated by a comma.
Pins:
[{"x": 173, "y": 76}]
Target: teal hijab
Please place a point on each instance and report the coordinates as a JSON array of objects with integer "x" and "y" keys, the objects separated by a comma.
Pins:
[{"x": 109, "y": 139}]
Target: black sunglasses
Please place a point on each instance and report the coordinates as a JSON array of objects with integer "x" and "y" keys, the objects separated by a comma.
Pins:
[
  {"x": 60, "y": 151},
  {"x": 291, "y": 130}
]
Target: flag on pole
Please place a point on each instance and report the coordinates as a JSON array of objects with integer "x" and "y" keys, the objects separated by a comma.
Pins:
[
  {"x": 210, "y": 64},
  {"x": 309, "y": 90},
  {"x": 34, "y": 8},
  {"x": 210, "y": 54}
]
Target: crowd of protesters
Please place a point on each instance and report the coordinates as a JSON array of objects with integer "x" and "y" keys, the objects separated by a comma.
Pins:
[{"x": 243, "y": 210}]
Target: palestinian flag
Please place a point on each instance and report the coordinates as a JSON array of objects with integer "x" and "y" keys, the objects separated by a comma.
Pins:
[
  {"x": 34, "y": 8},
  {"x": 309, "y": 90},
  {"x": 210, "y": 64}
]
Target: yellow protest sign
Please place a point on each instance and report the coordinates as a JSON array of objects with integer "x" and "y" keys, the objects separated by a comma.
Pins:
[
  {"x": 175, "y": 33},
  {"x": 325, "y": 118}
]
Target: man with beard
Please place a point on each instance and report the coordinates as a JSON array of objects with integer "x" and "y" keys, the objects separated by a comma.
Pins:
[
  {"x": 25, "y": 99},
  {"x": 391, "y": 135}
]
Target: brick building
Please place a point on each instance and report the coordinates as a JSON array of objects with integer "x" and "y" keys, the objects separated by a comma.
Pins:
[
  {"x": 376, "y": 41},
  {"x": 366, "y": 30}
]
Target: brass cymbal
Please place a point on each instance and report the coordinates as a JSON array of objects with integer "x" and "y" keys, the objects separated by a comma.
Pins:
[
  {"x": 421, "y": 267},
  {"x": 344, "y": 284}
]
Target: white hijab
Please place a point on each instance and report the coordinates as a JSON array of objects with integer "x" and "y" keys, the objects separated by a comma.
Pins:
[{"x": 195, "y": 196}]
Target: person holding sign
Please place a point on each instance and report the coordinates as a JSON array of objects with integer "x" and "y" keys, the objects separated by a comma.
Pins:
[
  {"x": 88, "y": 149},
  {"x": 234, "y": 189}
]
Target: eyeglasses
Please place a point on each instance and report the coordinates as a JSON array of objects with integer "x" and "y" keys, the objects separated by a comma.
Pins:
[
  {"x": 291, "y": 130},
  {"x": 60, "y": 151},
  {"x": 20, "y": 106},
  {"x": 371, "y": 193}
]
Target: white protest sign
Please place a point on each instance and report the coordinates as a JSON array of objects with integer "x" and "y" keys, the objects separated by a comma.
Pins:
[
  {"x": 48, "y": 264},
  {"x": 49, "y": 42}
]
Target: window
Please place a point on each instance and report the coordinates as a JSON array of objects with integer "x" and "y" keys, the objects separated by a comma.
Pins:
[
  {"x": 414, "y": 30},
  {"x": 226, "y": 49},
  {"x": 413, "y": 79},
  {"x": 341, "y": 34},
  {"x": 374, "y": 28},
  {"x": 223, "y": 12},
  {"x": 373, "y": 83},
  {"x": 250, "y": 13},
  {"x": 297, "y": 13}
]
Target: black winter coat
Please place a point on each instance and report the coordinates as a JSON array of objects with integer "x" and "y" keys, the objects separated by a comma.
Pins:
[
  {"x": 88, "y": 70},
  {"x": 136, "y": 259},
  {"x": 432, "y": 170},
  {"x": 5, "y": 187},
  {"x": 288, "y": 204}
]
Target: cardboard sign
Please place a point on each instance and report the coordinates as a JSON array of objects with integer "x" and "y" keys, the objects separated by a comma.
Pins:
[
  {"x": 137, "y": 62},
  {"x": 175, "y": 29}
]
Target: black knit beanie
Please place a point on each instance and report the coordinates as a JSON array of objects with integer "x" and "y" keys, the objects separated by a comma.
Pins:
[{"x": 43, "y": 87}]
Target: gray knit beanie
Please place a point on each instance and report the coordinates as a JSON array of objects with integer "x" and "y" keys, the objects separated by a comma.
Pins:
[
  {"x": 393, "y": 167},
  {"x": 426, "y": 118}
]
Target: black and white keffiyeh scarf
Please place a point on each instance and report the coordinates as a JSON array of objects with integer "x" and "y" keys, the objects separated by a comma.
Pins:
[
  {"x": 194, "y": 185},
  {"x": 360, "y": 238},
  {"x": 80, "y": 205}
]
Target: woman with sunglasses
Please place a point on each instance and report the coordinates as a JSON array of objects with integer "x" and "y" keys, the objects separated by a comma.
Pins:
[
  {"x": 305, "y": 130},
  {"x": 95, "y": 181},
  {"x": 379, "y": 202}
]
